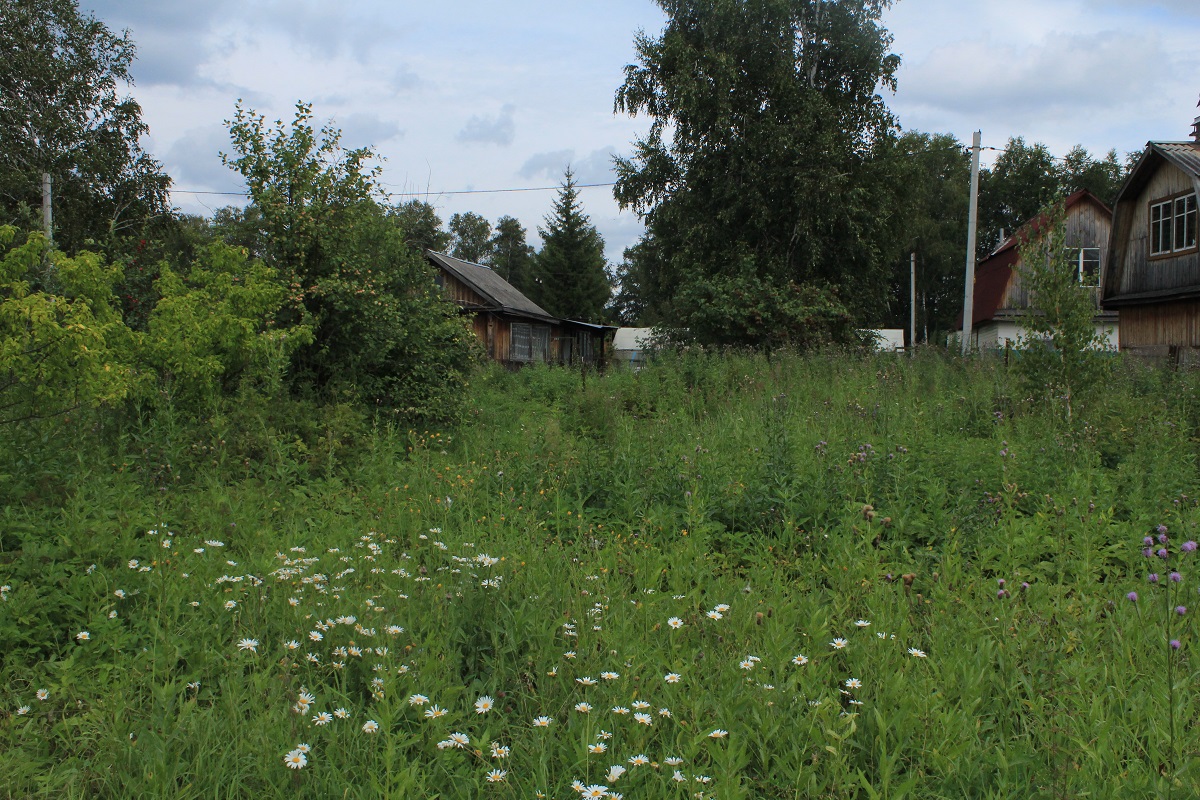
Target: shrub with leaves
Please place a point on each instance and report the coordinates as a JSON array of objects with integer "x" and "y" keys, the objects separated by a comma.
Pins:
[
  {"x": 214, "y": 329},
  {"x": 63, "y": 347}
]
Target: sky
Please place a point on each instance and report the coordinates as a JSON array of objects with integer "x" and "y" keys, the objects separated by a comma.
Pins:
[{"x": 464, "y": 97}]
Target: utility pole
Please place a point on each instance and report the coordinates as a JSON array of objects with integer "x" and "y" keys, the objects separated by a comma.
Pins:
[
  {"x": 47, "y": 210},
  {"x": 912, "y": 303},
  {"x": 969, "y": 290}
]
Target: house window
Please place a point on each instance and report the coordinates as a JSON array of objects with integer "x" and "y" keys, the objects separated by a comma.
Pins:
[
  {"x": 541, "y": 343},
  {"x": 1087, "y": 265},
  {"x": 529, "y": 342},
  {"x": 1173, "y": 225},
  {"x": 520, "y": 346}
]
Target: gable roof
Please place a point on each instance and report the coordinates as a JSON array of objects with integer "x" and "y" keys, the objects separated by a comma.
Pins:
[
  {"x": 1185, "y": 156},
  {"x": 499, "y": 293},
  {"x": 994, "y": 273}
]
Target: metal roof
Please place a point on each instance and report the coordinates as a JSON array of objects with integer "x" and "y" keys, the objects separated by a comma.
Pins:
[
  {"x": 1185, "y": 155},
  {"x": 500, "y": 293}
]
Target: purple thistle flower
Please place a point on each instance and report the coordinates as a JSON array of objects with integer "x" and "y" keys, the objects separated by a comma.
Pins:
[
  {"x": 1188, "y": 547},
  {"x": 1131, "y": 597},
  {"x": 1175, "y": 644},
  {"x": 1162, "y": 529},
  {"x": 1000, "y": 595},
  {"x": 1181, "y": 610},
  {"x": 1175, "y": 577},
  {"x": 1162, "y": 552},
  {"x": 1148, "y": 541},
  {"x": 1148, "y": 552},
  {"x": 1152, "y": 577},
  {"x": 1001, "y": 583},
  {"x": 1024, "y": 585},
  {"x": 1162, "y": 538}
]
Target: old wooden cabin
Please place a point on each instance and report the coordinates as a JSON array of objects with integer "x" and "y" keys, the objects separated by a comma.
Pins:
[
  {"x": 512, "y": 328},
  {"x": 1154, "y": 279}
]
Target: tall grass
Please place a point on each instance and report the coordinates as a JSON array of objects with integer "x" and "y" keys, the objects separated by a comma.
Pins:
[{"x": 722, "y": 519}]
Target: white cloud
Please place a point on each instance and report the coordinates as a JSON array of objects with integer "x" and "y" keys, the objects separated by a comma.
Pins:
[
  {"x": 194, "y": 162},
  {"x": 498, "y": 129},
  {"x": 367, "y": 130},
  {"x": 595, "y": 167}
]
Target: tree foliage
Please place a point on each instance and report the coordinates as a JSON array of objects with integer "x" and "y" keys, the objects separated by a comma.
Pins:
[
  {"x": 213, "y": 330},
  {"x": 63, "y": 350},
  {"x": 762, "y": 166},
  {"x": 472, "y": 238},
  {"x": 512, "y": 256},
  {"x": 1062, "y": 361},
  {"x": 572, "y": 279},
  {"x": 420, "y": 226},
  {"x": 61, "y": 112},
  {"x": 936, "y": 177},
  {"x": 382, "y": 332}
]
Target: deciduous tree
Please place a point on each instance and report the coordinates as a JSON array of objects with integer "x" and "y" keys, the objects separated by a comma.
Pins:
[
  {"x": 761, "y": 170},
  {"x": 472, "y": 238},
  {"x": 62, "y": 112},
  {"x": 512, "y": 257},
  {"x": 382, "y": 331},
  {"x": 421, "y": 226}
]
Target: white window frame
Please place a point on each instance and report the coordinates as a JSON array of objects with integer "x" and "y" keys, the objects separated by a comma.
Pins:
[
  {"x": 1082, "y": 257},
  {"x": 1173, "y": 225}
]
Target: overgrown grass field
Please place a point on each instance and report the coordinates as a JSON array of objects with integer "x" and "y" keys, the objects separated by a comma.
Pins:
[{"x": 830, "y": 576}]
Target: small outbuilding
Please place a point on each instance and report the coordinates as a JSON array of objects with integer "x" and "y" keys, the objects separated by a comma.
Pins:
[{"x": 630, "y": 345}]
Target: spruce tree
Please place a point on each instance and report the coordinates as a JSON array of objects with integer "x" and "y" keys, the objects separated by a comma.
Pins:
[{"x": 572, "y": 282}]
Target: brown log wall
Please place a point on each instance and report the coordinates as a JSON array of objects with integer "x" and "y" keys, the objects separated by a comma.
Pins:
[{"x": 1161, "y": 325}]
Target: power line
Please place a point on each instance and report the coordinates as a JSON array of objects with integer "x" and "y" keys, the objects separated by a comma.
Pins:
[
  {"x": 432, "y": 193},
  {"x": 500, "y": 191},
  {"x": 197, "y": 191}
]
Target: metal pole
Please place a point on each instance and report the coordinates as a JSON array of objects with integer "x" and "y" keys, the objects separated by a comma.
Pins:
[
  {"x": 912, "y": 304},
  {"x": 47, "y": 210},
  {"x": 969, "y": 289}
]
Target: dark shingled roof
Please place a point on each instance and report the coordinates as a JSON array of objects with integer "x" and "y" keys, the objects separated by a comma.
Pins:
[{"x": 501, "y": 294}]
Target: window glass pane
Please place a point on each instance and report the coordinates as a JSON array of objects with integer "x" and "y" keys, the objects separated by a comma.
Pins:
[
  {"x": 541, "y": 343},
  {"x": 1157, "y": 225},
  {"x": 1180, "y": 222},
  {"x": 519, "y": 346},
  {"x": 1156, "y": 236},
  {"x": 1089, "y": 266},
  {"x": 1189, "y": 230}
]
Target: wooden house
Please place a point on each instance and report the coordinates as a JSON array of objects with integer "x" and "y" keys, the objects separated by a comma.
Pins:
[
  {"x": 1002, "y": 303},
  {"x": 1154, "y": 277},
  {"x": 512, "y": 328}
]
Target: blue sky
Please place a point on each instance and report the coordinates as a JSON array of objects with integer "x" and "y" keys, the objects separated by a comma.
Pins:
[{"x": 467, "y": 95}]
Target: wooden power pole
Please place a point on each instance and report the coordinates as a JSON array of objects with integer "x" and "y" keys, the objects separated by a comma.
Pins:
[
  {"x": 47, "y": 210},
  {"x": 912, "y": 302},
  {"x": 969, "y": 289}
]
